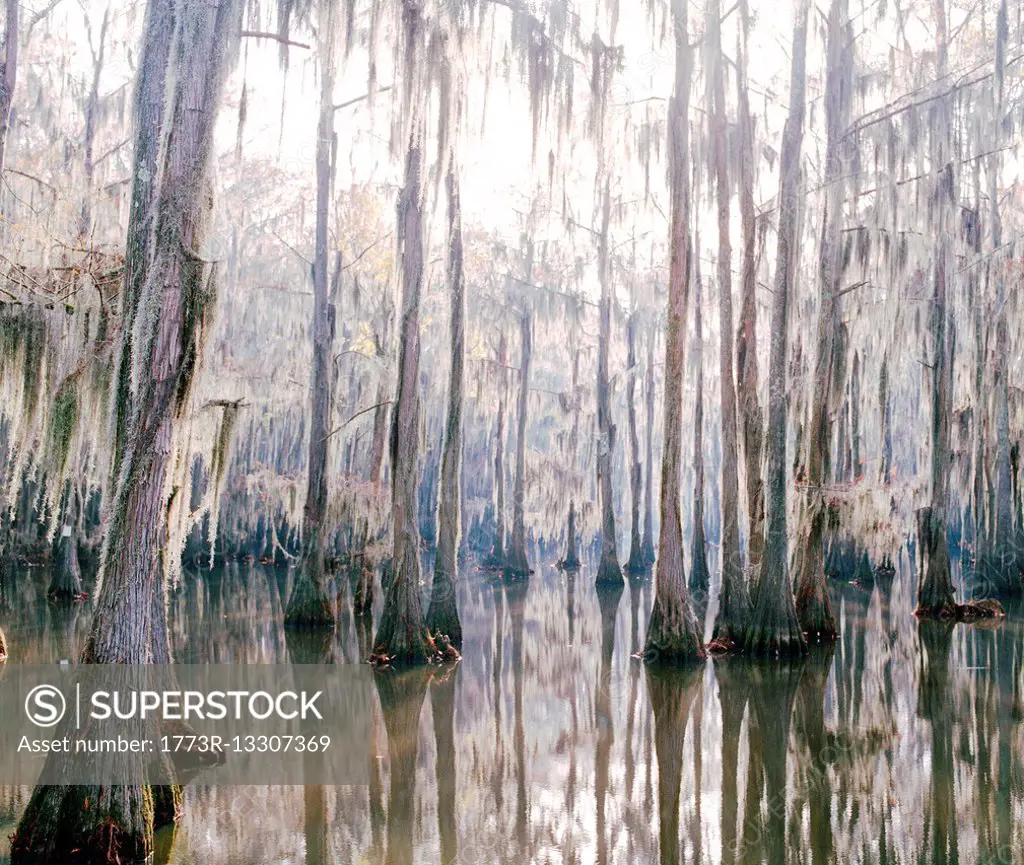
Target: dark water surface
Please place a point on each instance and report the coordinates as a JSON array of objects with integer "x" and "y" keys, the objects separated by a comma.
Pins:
[{"x": 550, "y": 744}]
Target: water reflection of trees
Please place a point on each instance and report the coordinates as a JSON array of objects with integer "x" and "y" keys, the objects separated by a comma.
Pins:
[{"x": 550, "y": 742}]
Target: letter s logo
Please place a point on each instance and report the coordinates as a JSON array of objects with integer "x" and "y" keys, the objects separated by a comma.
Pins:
[{"x": 45, "y": 705}]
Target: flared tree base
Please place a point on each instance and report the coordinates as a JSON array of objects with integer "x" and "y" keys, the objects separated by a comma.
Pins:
[
  {"x": 814, "y": 613},
  {"x": 767, "y": 641},
  {"x": 362, "y": 599},
  {"x": 636, "y": 563},
  {"x": 609, "y": 573},
  {"x": 443, "y": 620},
  {"x": 92, "y": 825},
  {"x": 516, "y": 564},
  {"x": 672, "y": 636},
  {"x": 310, "y": 606}
]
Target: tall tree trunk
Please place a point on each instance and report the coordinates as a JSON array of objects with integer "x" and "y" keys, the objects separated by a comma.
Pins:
[
  {"x": 443, "y": 614},
  {"x": 310, "y": 604},
  {"x": 497, "y": 557},
  {"x": 885, "y": 408},
  {"x": 746, "y": 339},
  {"x": 66, "y": 584},
  {"x": 648, "y": 541},
  {"x": 1006, "y": 558},
  {"x": 572, "y": 559},
  {"x": 401, "y": 632},
  {"x": 150, "y": 98},
  {"x": 8, "y": 75},
  {"x": 672, "y": 633},
  {"x": 517, "y": 564},
  {"x": 699, "y": 579},
  {"x": 91, "y": 120},
  {"x": 813, "y": 607},
  {"x": 608, "y": 571},
  {"x": 81, "y": 824},
  {"x": 774, "y": 628},
  {"x": 935, "y": 592},
  {"x": 855, "y": 431},
  {"x": 733, "y": 603},
  {"x": 636, "y": 562}
]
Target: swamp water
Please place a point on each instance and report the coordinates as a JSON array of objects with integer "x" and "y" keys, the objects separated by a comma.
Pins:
[{"x": 549, "y": 743}]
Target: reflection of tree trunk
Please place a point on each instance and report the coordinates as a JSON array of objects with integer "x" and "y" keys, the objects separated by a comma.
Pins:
[
  {"x": 648, "y": 541},
  {"x": 934, "y": 705},
  {"x": 516, "y": 591},
  {"x": 401, "y": 631},
  {"x": 608, "y": 600},
  {"x": 774, "y": 628},
  {"x": 772, "y": 689},
  {"x": 672, "y": 691},
  {"x": 636, "y": 558},
  {"x": 672, "y": 631},
  {"x": 809, "y": 719},
  {"x": 310, "y": 604},
  {"x": 442, "y": 703},
  {"x": 732, "y": 698},
  {"x": 498, "y": 772},
  {"x": 61, "y": 823},
  {"x": 312, "y": 647},
  {"x": 401, "y": 702},
  {"x": 608, "y": 571},
  {"x": 517, "y": 564},
  {"x": 443, "y": 614}
]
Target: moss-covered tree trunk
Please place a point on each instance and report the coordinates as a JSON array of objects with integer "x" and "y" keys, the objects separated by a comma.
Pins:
[
  {"x": 443, "y": 613},
  {"x": 733, "y": 603},
  {"x": 66, "y": 584},
  {"x": 516, "y": 564},
  {"x": 750, "y": 415},
  {"x": 647, "y": 546},
  {"x": 672, "y": 633},
  {"x": 310, "y": 604},
  {"x": 935, "y": 595},
  {"x": 149, "y": 105},
  {"x": 571, "y": 560},
  {"x": 774, "y": 629},
  {"x": 401, "y": 632},
  {"x": 83, "y": 825},
  {"x": 813, "y": 607},
  {"x": 608, "y": 570},
  {"x": 700, "y": 580},
  {"x": 636, "y": 563}
]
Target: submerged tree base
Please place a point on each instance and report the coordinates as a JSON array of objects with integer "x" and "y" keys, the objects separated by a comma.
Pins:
[
  {"x": 972, "y": 611},
  {"x": 609, "y": 573},
  {"x": 310, "y": 605},
  {"x": 65, "y": 825},
  {"x": 672, "y": 637}
]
